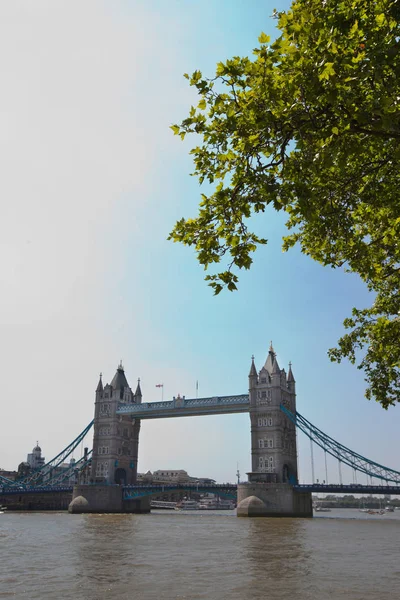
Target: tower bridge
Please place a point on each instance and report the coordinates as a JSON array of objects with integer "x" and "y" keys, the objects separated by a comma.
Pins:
[{"x": 108, "y": 473}]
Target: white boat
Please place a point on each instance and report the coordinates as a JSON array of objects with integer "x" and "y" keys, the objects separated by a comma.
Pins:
[
  {"x": 187, "y": 505},
  {"x": 215, "y": 505},
  {"x": 162, "y": 505}
]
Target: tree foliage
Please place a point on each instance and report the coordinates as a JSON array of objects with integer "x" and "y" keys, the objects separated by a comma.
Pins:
[{"x": 309, "y": 125}]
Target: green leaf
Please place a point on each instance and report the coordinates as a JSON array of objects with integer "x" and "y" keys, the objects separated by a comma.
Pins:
[
  {"x": 327, "y": 72},
  {"x": 263, "y": 38}
]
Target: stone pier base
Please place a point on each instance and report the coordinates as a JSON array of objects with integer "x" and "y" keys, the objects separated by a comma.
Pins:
[
  {"x": 272, "y": 500},
  {"x": 99, "y": 498}
]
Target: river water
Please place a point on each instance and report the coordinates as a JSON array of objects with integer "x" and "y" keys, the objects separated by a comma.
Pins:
[{"x": 167, "y": 555}]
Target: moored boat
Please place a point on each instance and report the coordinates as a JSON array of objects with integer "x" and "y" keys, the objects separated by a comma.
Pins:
[{"x": 187, "y": 505}]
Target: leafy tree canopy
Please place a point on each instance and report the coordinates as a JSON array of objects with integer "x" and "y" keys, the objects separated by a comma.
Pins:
[{"x": 310, "y": 125}]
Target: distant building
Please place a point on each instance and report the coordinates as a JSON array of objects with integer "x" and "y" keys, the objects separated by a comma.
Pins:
[
  {"x": 206, "y": 481},
  {"x": 171, "y": 476},
  {"x": 12, "y": 475},
  {"x": 35, "y": 460}
]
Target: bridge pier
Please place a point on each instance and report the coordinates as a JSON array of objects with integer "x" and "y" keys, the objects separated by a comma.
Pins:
[
  {"x": 98, "y": 498},
  {"x": 272, "y": 500}
]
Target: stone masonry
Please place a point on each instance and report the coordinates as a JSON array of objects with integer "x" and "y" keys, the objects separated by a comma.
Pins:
[
  {"x": 115, "y": 437},
  {"x": 273, "y": 435}
]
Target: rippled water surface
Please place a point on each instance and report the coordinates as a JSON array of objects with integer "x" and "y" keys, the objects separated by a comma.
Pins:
[{"x": 168, "y": 555}]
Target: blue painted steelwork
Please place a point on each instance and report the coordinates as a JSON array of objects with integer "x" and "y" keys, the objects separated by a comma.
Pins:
[
  {"x": 7, "y": 482},
  {"x": 190, "y": 407},
  {"x": 393, "y": 490},
  {"x": 80, "y": 464},
  {"x": 55, "y": 484},
  {"x": 39, "y": 489},
  {"x": 131, "y": 492},
  {"x": 43, "y": 475},
  {"x": 343, "y": 454}
]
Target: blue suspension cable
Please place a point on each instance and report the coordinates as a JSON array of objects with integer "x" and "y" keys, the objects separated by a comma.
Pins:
[
  {"x": 46, "y": 469},
  {"x": 341, "y": 452}
]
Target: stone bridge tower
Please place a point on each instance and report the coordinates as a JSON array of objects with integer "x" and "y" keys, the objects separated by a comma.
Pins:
[
  {"x": 115, "y": 437},
  {"x": 273, "y": 435}
]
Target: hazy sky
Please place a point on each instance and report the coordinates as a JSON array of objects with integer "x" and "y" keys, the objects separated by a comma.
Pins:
[{"x": 92, "y": 181}]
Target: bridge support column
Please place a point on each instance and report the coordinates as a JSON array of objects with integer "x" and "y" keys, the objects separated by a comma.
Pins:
[
  {"x": 100, "y": 498},
  {"x": 272, "y": 500}
]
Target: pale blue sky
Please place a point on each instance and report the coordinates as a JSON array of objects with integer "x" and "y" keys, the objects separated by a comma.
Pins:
[{"x": 93, "y": 181}]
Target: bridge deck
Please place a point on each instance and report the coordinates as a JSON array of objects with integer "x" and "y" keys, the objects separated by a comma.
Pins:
[
  {"x": 191, "y": 407},
  {"x": 150, "y": 489},
  {"x": 336, "y": 488}
]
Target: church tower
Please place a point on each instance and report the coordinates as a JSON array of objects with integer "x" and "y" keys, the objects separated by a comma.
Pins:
[
  {"x": 115, "y": 437},
  {"x": 273, "y": 435}
]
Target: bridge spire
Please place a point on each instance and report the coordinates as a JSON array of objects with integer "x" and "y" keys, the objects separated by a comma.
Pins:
[
  {"x": 275, "y": 366},
  {"x": 138, "y": 393},
  {"x": 271, "y": 359},
  {"x": 119, "y": 380},
  {"x": 290, "y": 374},
  {"x": 100, "y": 384},
  {"x": 253, "y": 370}
]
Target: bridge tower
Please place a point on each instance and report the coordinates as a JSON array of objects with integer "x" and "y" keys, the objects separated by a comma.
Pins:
[
  {"x": 115, "y": 437},
  {"x": 270, "y": 490},
  {"x": 273, "y": 435}
]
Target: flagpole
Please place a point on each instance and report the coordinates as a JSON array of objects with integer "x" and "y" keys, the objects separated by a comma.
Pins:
[{"x": 161, "y": 385}]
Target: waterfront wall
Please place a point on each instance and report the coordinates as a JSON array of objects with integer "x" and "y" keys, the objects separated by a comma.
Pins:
[{"x": 36, "y": 501}]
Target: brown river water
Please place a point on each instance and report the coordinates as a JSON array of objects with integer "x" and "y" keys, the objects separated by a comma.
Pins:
[{"x": 167, "y": 555}]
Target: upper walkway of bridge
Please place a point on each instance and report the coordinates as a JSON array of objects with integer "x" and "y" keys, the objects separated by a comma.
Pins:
[{"x": 187, "y": 407}]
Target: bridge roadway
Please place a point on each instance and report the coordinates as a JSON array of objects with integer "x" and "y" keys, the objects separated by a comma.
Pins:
[
  {"x": 139, "y": 491},
  {"x": 227, "y": 489},
  {"x": 186, "y": 407},
  {"x": 336, "y": 488}
]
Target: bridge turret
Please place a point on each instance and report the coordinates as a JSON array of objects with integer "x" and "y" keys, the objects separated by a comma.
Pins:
[
  {"x": 119, "y": 383},
  {"x": 291, "y": 382},
  {"x": 138, "y": 393},
  {"x": 99, "y": 389},
  {"x": 269, "y": 363},
  {"x": 275, "y": 372},
  {"x": 253, "y": 380}
]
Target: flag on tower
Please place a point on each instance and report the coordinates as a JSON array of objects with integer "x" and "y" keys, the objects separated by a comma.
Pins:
[{"x": 159, "y": 385}]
